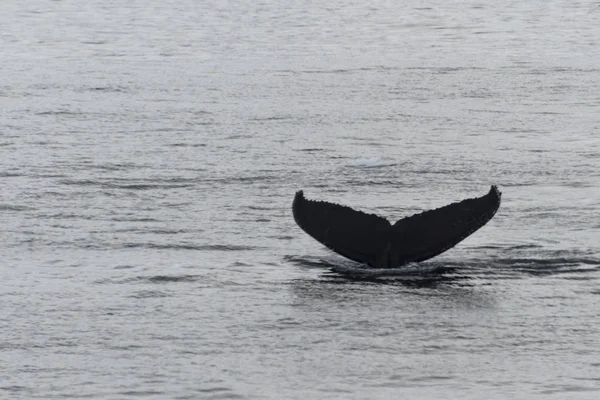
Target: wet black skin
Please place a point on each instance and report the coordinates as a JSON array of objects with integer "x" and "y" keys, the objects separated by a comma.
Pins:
[{"x": 373, "y": 240}]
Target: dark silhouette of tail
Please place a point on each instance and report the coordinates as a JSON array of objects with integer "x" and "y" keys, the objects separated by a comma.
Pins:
[{"x": 371, "y": 239}]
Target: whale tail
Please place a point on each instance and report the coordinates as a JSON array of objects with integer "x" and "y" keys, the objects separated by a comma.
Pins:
[{"x": 371, "y": 239}]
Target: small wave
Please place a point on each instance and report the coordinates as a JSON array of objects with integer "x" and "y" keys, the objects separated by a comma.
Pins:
[
  {"x": 187, "y": 145},
  {"x": 373, "y": 162},
  {"x": 371, "y": 182},
  {"x": 211, "y": 247},
  {"x": 273, "y": 118},
  {"x": 345, "y": 70},
  {"x": 93, "y": 41},
  {"x": 125, "y": 346},
  {"x": 259, "y": 208},
  {"x": 515, "y": 247},
  {"x": 564, "y": 389},
  {"x": 141, "y": 393},
  {"x": 10, "y": 174},
  {"x": 239, "y": 136},
  {"x": 148, "y": 294},
  {"x": 282, "y": 237},
  {"x": 14, "y": 388},
  {"x": 171, "y": 278},
  {"x": 79, "y": 182},
  {"x": 125, "y": 186},
  {"x": 41, "y": 143},
  {"x": 134, "y": 219},
  {"x": 561, "y": 261},
  {"x": 114, "y": 166},
  {"x": 214, "y": 390},
  {"x": 240, "y": 264},
  {"x": 146, "y": 186},
  {"x": 14, "y": 207},
  {"x": 66, "y": 216},
  {"x": 58, "y": 113},
  {"x": 124, "y": 266},
  {"x": 144, "y": 230},
  {"x": 246, "y": 180},
  {"x": 333, "y": 71},
  {"x": 165, "y": 231},
  {"x": 152, "y": 279},
  {"x": 108, "y": 89},
  {"x": 253, "y": 179}
]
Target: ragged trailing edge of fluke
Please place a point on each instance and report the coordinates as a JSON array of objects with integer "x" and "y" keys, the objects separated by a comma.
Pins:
[{"x": 371, "y": 239}]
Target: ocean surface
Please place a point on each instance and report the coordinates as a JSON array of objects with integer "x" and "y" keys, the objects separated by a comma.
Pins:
[{"x": 150, "y": 152}]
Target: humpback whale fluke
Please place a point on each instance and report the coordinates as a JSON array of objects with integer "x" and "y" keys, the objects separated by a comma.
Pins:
[{"x": 371, "y": 239}]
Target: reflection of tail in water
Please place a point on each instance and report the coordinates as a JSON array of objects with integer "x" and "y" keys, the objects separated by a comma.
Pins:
[{"x": 423, "y": 275}]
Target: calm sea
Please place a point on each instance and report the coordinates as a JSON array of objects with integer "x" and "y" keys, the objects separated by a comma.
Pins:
[{"x": 150, "y": 151}]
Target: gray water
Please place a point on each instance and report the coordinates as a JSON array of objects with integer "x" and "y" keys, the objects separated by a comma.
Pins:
[{"x": 150, "y": 152}]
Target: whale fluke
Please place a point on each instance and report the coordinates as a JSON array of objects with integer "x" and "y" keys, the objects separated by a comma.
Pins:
[{"x": 371, "y": 239}]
